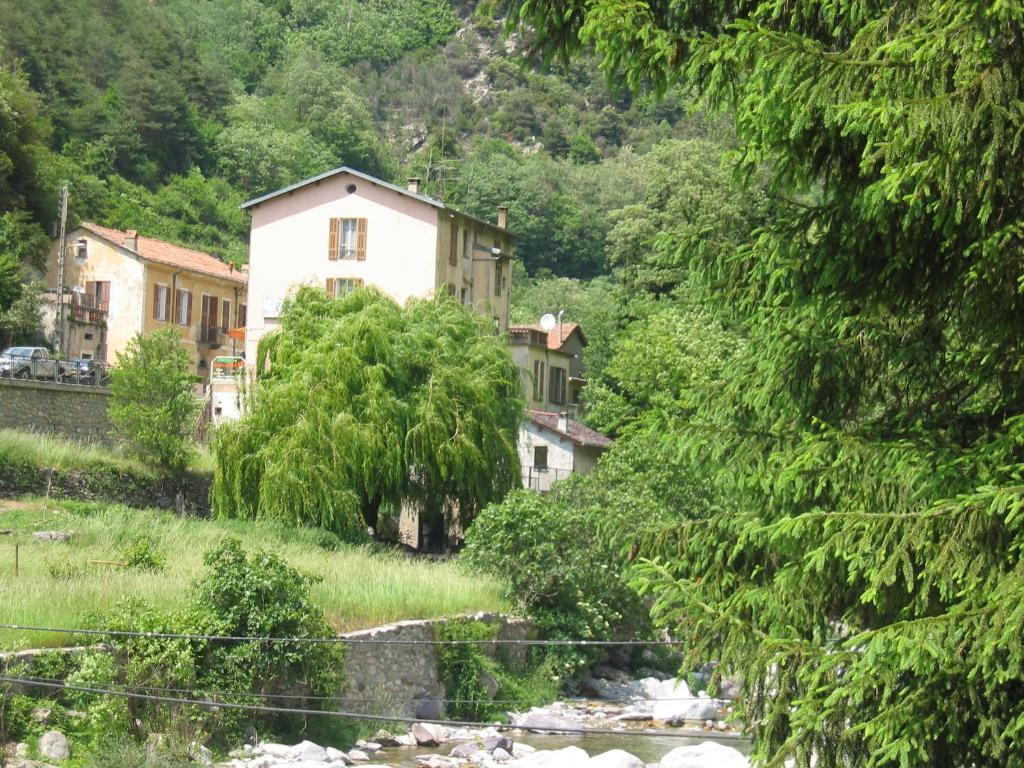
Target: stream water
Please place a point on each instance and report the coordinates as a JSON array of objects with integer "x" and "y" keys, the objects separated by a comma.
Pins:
[{"x": 650, "y": 749}]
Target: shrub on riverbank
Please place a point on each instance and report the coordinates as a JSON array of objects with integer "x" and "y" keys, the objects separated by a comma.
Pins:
[{"x": 241, "y": 595}]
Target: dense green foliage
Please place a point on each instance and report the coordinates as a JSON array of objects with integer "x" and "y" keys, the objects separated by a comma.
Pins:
[
  {"x": 164, "y": 116},
  {"x": 864, "y": 441},
  {"x": 152, "y": 404},
  {"x": 241, "y": 595},
  {"x": 361, "y": 406}
]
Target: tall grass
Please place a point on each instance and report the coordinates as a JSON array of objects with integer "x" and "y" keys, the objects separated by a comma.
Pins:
[
  {"x": 61, "y": 585},
  {"x": 47, "y": 450}
]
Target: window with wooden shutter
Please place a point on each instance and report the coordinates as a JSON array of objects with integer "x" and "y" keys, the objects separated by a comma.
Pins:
[
  {"x": 242, "y": 311},
  {"x": 331, "y": 288},
  {"x": 225, "y": 315},
  {"x": 556, "y": 386},
  {"x": 453, "y": 246},
  {"x": 333, "y": 239},
  {"x": 156, "y": 303},
  {"x": 161, "y": 302},
  {"x": 361, "y": 239},
  {"x": 188, "y": 303}
]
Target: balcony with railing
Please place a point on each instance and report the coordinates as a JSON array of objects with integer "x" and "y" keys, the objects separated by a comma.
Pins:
[
  {"x": 84, "y": 308},
  {"x": 541, "y": 479},
  {"x": 530, "y": 336},
  {"x": 210, "y": 335}
]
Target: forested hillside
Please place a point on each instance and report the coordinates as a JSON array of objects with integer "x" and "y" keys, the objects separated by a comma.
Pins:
[{"x": 164, "y": 116}]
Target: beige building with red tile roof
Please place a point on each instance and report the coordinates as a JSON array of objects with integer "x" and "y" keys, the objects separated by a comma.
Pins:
[{"x": 118, "y": 284}]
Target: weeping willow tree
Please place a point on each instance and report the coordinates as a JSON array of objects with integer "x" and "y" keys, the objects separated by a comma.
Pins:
[
  {"x": 865, "y": 578},
  {"x": 361, "y": 405}
]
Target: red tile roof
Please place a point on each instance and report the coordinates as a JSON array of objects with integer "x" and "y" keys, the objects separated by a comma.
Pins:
[
  {"x": 555, "y": 341},
  {"x": 166, "y": 253},
  {"x": 578, "y": 433}
]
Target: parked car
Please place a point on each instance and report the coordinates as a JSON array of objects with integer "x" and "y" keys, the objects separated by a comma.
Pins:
[
  {"x": 29, "y": 363},
  {"x": 85, "y": 372}
]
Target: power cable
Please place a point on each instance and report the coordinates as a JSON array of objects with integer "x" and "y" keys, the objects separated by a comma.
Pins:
[
  {"x": 352, "y": 699},
  {"x": 359, "y": 716},
  {"x": 339, "y": 640}
]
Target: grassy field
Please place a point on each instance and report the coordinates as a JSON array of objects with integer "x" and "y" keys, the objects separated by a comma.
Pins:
[
  {"x": 58, "y": 585},
  {"x": 46, "y": 450}
]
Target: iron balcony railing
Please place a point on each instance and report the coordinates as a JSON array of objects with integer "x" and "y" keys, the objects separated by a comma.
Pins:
[{"x": 541, "y": 480}]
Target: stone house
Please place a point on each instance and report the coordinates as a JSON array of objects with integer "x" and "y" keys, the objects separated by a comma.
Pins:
[
  {"x": 552, "y": 446},
  {"x": 345, "y": 228},
  {"x": 118, "y": 284},
  {"x": 551, "y": 365}
]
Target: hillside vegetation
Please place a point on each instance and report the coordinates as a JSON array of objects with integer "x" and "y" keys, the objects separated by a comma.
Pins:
[{"x": 164, "y": 117}]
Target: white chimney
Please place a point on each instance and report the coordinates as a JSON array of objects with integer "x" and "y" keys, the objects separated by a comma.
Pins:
[
  {"x": 414, "y": 185},
  {"x": 503, "y": 216},
  {"x": 132, "y": 240},
  {"x": 563, "y": 422}
]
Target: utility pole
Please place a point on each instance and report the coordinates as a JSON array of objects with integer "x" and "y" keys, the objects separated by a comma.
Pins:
[{"x": 62, "y": 249}]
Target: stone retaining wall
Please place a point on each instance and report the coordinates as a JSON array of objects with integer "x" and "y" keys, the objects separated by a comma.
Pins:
[
  {"x": 72, "y": 410},
  {"x": 403, "y": 679}
]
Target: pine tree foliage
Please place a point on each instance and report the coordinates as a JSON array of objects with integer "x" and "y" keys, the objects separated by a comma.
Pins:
[
  {"x": 361, "y": 405},
  {"x": 865, "y": 576}
]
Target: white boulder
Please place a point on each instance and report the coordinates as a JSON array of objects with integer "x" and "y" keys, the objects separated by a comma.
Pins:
[
  {"x": 53, "y": 745},
  {"x": 708, "y": 754},
  {"x": 615, "y": 758}
]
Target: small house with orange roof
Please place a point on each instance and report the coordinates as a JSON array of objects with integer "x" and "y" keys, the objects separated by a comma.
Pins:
[{"x": 117, "y": 284}]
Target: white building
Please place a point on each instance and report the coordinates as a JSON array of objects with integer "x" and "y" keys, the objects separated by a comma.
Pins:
[
  {"x": 552, "y": 446},
  {"x": 344, "y": 229}
]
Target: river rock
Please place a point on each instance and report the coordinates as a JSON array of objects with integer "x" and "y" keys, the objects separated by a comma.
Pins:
[
  {"x": 465, "y": 749},
  {"x": 615, "y": 758},
  {"x": 53, "y": 745},
  {"x": 604, "y": 672},
  {"x": 334, "y": 755},
  {"x": 501, "y": 755},
  {"x": 280, "y": 751},
  {"x": 492, "y": 743},
  {"x": 429, "y": 735},
  {"x": 520, "y": 750},
  {"x": 569, "y": 757},
  {"x": 358, "y": 756},
  {"x": 430, "y": 709},
  {"x": 677, "y": 713},
  {"x": 310, "y": 752},
  {"x": 707, "y": 754},
  {"x": 545, "y": 721},
  {"x": 386, "y": 739},
  {"x": 58, "y": 536}
]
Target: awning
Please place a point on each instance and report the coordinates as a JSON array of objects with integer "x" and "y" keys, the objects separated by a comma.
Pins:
[{"x": 238, "y": 334}]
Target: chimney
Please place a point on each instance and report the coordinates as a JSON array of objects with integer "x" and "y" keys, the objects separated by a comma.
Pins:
[
  {"x": 414, "y": 185},
  {"x": 503, "y": 216},
  {"x": 131, "y": 241},
  {"x": 563, "y": 422}
]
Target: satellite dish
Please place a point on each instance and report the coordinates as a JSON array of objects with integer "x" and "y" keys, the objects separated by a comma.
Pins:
[{"x": 548, "y": 322}]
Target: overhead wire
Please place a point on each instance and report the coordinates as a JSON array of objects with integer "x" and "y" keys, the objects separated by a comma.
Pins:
[
  {"x": 208, "y": 704},
  {"x": 582, "y": 643}
]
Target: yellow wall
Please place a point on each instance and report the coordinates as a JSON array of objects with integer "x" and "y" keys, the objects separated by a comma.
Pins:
[
  {"x": 524, "y": 356},
  {"x": 132, "y": 280},
  {"x": 198, "y": 284},
  {"x": 476, "y": 274},
  {"x": 105, "y": 262}
]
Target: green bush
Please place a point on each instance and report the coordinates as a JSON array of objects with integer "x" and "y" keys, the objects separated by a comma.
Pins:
[
  {"x": 241, "y": 595},
  {"x": 463, "y": 669},
  {"x": 152, "y": 405},
  {"x": 143, "y": 555},
  {"x": 16, "y": 721}
]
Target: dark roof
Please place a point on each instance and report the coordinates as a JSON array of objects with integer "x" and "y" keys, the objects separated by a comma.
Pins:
[
  {"x": 151, "y": 249},
  {"x": 578, "y": 433},
  {"x": 373, "y": 180}
]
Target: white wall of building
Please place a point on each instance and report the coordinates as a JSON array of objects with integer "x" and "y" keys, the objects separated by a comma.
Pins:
[{"x": 289, "y": 246}]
